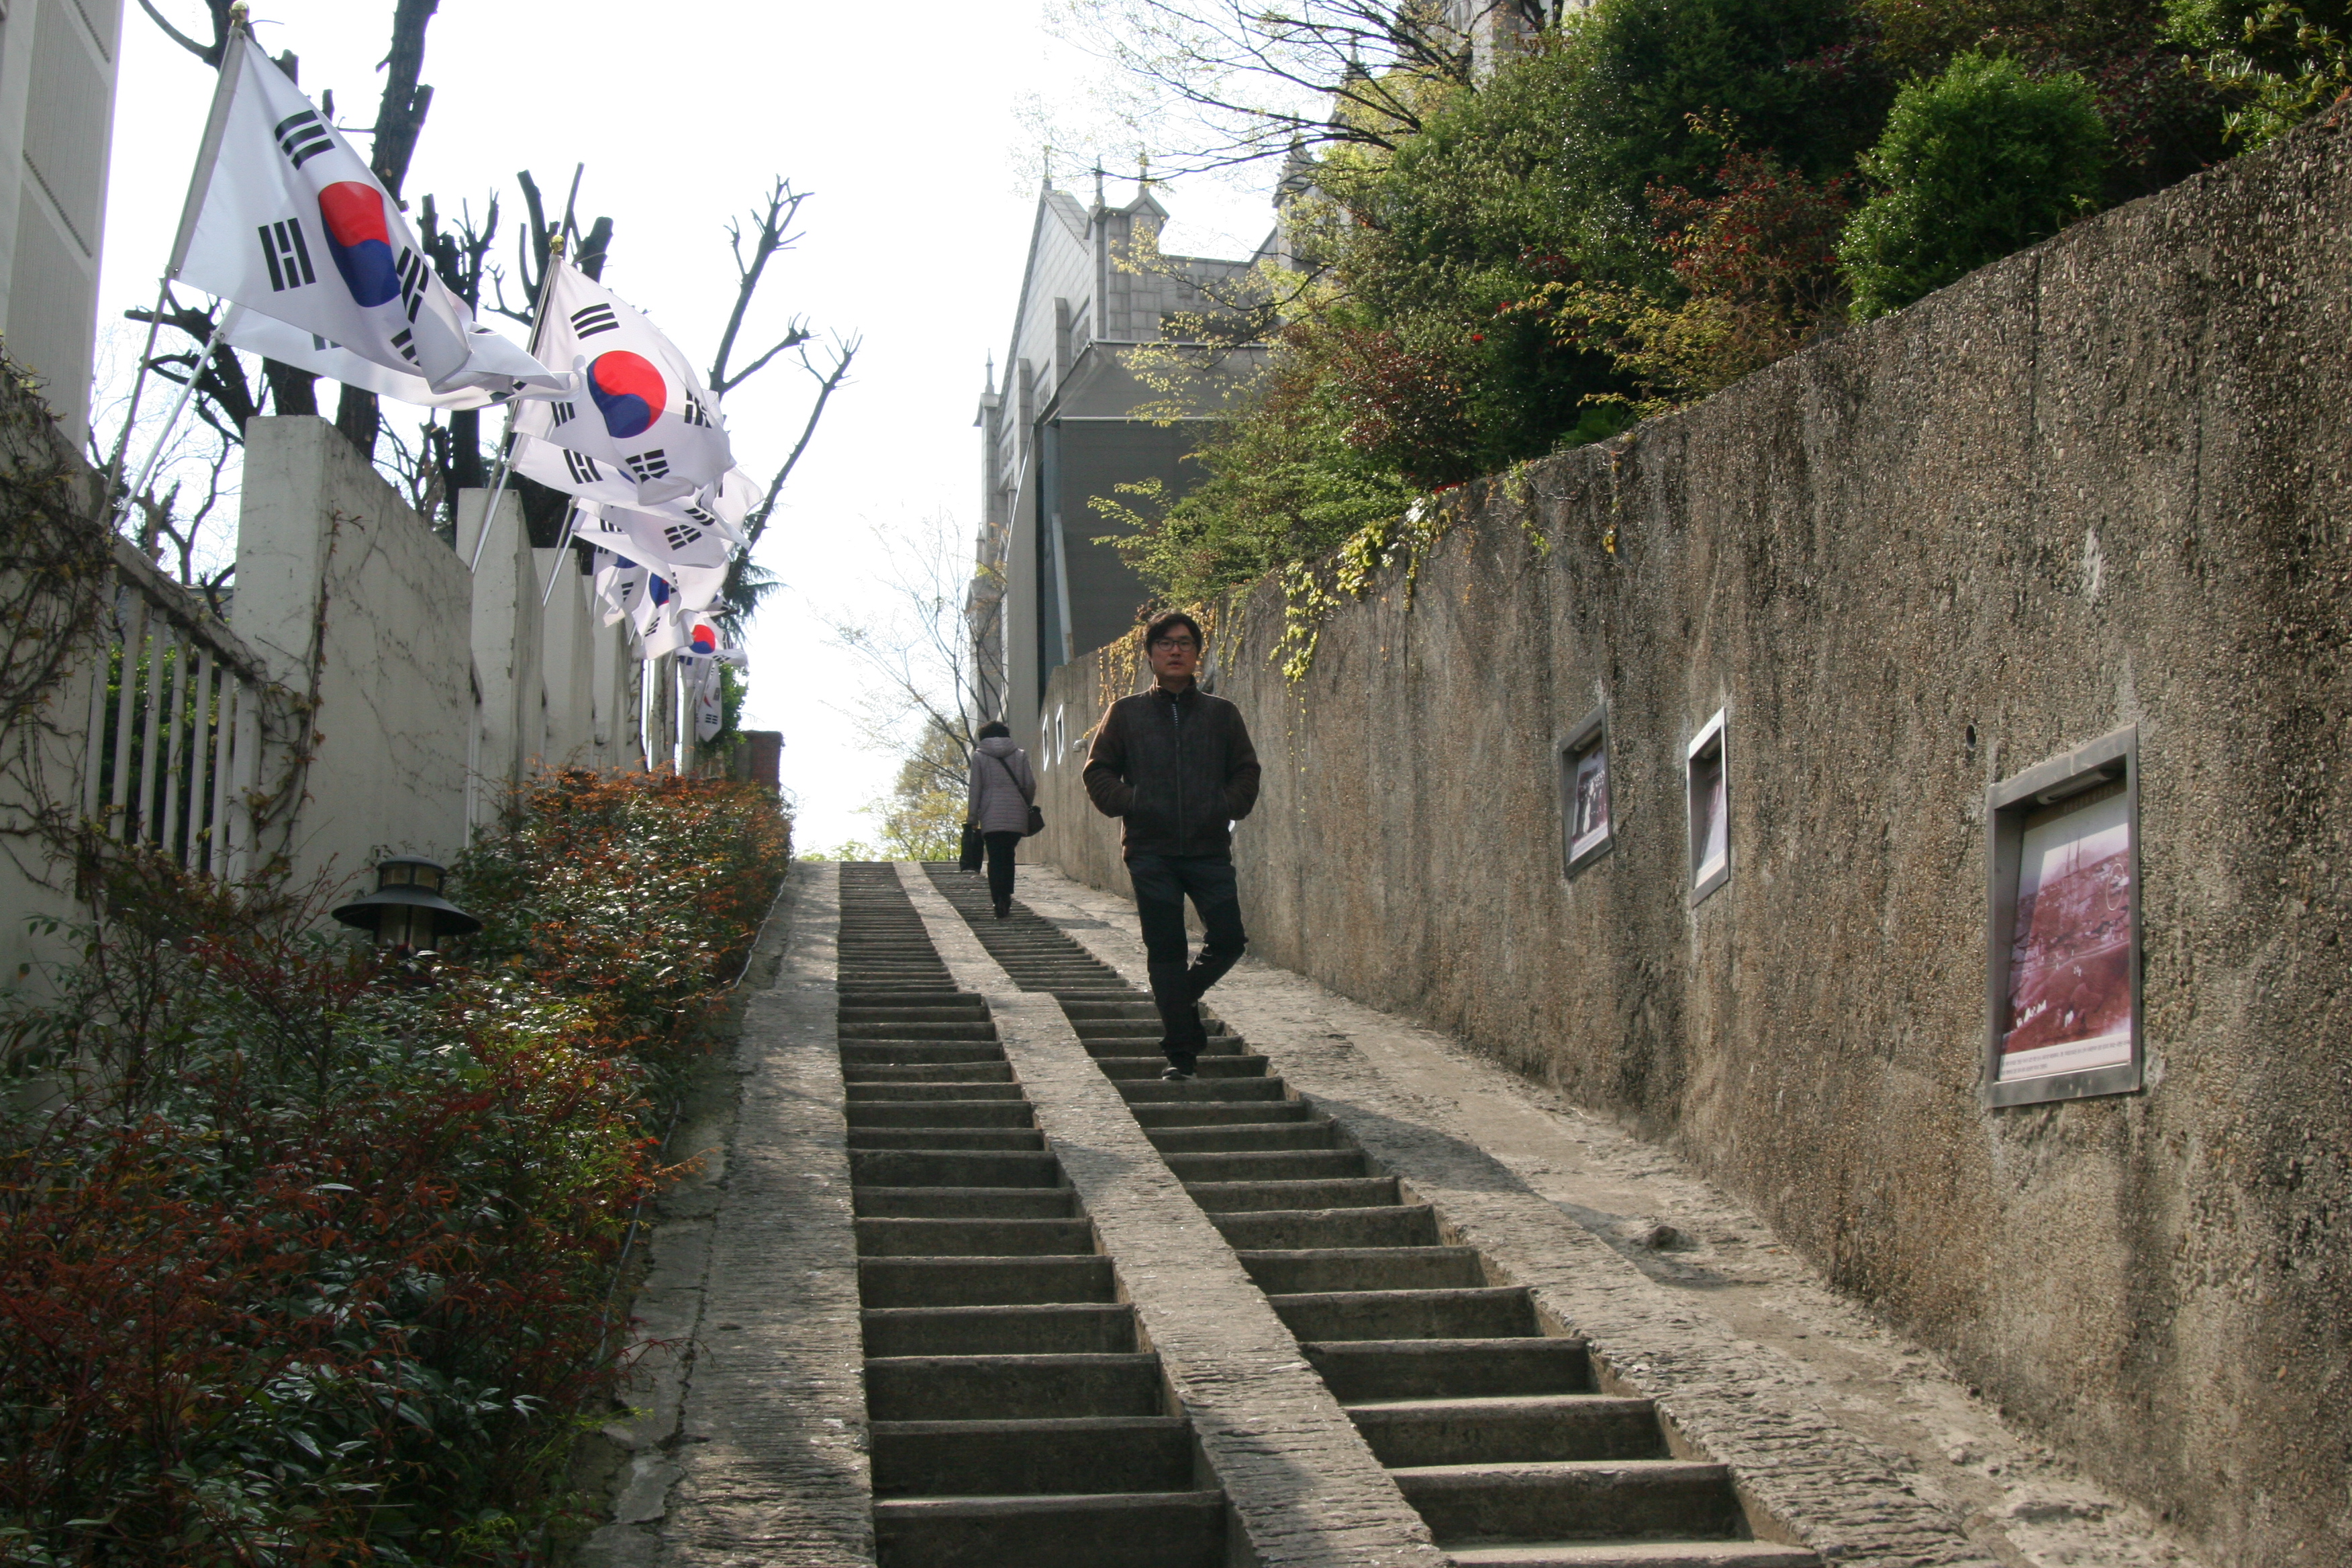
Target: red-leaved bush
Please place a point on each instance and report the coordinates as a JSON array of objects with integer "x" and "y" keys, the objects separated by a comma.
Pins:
[{"x": 304, "y": 1253}]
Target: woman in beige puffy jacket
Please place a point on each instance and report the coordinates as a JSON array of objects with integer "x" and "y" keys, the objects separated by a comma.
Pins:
[{"x": 998, "y": 805}]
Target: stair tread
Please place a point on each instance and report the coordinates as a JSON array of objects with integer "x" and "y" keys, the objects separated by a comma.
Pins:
[
  {"x": 1038, "y": 1502},
  {"x": 1037, "y": 1424},
  {"x": 1636, "y": 1554},
  {"x": 1690, "y": 1469},
  {"x": 1494, "y": 1404}
]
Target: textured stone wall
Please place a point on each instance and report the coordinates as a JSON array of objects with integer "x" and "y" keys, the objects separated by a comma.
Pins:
[{"x": 2103, "y": 482}]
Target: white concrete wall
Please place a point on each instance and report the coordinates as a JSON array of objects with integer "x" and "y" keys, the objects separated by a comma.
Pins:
[
  {"x": 511, "y": 736},
  {"x": 349, "y": 595},
  {"x": 568, "y": 636}
]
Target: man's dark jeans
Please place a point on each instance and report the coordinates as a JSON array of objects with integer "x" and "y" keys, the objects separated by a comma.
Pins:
[
  {"x": 1162, "y": 882},
  {"x": 999, "y": 866}
]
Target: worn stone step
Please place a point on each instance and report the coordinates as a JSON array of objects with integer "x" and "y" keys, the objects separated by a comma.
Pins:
[
  {"x": 1357, "y": 1371},
  {"x": 1488, "y": 1312},
  {"x": 1000, "y": 1092},
  {"x": 1148, "y": 1530},
  {"x": 967, "y": 1281},
  {"x": 1013, "y": 1387},
  {"x": 1510, "y": 1429},
  {"x": 1123, "y": 1029},
  {"x": 1108, "y": 985},
  {"x": 1297, "y": 1271},
  {"x": 961, "y": 1007},
  {"x": 941, "y": 993},
  {"x": 940, "y": 1113},
  {"x": 1065, "y": 1328},
  {"x": 1276, "y": 1165},
  {"x": 917, "y": 1029},
  {"x": 1136, "y": 1007},
  {"x": 1563, "y": 1501},
  {"x": 1400, "y": 1224},
  {"x": 1337, "y": 1193},
  {"x": 1200, "y": 1091},
  {"x": 1637, "y": 1554},
  {"x": 1216, "y": 1114},
  {"x": 1126, "y": 1050},
  {"x": 971, "y": 1168},
  {"x": 1242, "y": 1137},
  {"x": 855, "y": 1074},
  {"x": 916, "y": 1053},
  {"x": 1009, "y": 1457},
  {"x": 1212, "y": 1066},
  {"x": 964, "y": 1203},
  {"x": 946, "y": 1138},
  {"x": 881, "y": 1237}
]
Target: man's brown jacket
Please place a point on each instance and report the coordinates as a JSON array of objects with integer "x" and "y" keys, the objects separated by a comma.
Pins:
[{"x": 1179, "y": 771}]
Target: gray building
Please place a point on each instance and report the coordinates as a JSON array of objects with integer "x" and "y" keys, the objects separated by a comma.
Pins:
[
  {"x": 57, "y": 64},
  {"x": 1071, "y": 421}
]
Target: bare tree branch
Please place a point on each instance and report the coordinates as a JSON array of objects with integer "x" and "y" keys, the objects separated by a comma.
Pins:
[
  {"x": 828, "y": 383},
  {"x": 772, "y": 232},
  {"x": 211, "y": 54}
]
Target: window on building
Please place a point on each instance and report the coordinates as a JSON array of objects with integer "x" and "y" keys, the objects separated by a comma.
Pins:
[
  {"x": 1582, "y": 758},
  {"x": 1707, "y": 786}
]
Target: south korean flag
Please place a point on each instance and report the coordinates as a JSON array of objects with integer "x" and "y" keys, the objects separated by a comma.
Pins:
[
  {"x": 720, "y": 508},
  {"x": 283, "y": 219},
  {"x": 635, "y": 407},
  {"x": 620, "y": 585},
  {"x": 667, "y": 542}
]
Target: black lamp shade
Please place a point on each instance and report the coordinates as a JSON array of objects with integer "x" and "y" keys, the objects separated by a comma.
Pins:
[{"x": 406, "y": 910}]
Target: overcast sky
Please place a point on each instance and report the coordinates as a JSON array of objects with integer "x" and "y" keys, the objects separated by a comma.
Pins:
[{"x": 902, "y": 120}]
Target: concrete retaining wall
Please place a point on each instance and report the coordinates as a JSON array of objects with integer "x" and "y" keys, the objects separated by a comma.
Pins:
[{"x": 2102, "y": 483}]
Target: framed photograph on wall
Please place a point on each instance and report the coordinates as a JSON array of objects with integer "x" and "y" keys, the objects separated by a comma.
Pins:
[
  {"x": 1708, "y": 788},
  {"x": 2063, "y": 937},
  {"x": 1582, "y": 762}
]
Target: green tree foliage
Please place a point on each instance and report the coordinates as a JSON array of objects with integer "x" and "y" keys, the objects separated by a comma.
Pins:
[
  {"x": 2276, "y": 64},
  {"x": 1976, "y": 163},
  {"x": 922, "y": 816}
]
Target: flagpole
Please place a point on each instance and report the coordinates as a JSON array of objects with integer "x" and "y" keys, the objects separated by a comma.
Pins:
[
  {"x": 562, "y": 547},
  {"x": 131, "y": 417},
  {"x": 506, "y": 445},
  {"x": 179, "y": 407}
]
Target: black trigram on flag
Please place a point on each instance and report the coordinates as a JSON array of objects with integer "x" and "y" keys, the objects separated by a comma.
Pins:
[
  {"x": 405, "y": 342},
  {"x": 681, "y": 535},
  {"x": 694, "y": 412},
  {"x": 582, "y": 468},
  {"x": 648, "y": 466},
  {"x": 701, "y": 516},
  {"x": 411, "y": 272},
  {"x": 288, "y": 254},
  {"x": 563, "y": 414},
  {"x": 302, "y": 137},
  {"x": 590, "y": 319}
]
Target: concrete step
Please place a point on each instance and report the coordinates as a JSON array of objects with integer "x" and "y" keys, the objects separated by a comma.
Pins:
[
  {"x": 1401, "y": 1225},
  {"x": 1007, "y": 1457},
  {"x": 1242, "y": 1137},
  {"x": 1277, "y": 1165},
  {"x": 941, "y": 1113},
  {"x": 857, "y": 1074},
  {"x": 966, "y": 1282},
  {"x": 1135, "y": 1049},
  {"x": 1004, "y": 1091},
  {"x": 915, "y": 1029},
  {"x": 1341, "y": 1192},
  {"x": 916, "y": 1053},
  {"x": 1137, "y": 1007},
  {"x": 1491, "y": 1312},
  {"x": 1203, "y": 1090},
  {"x": 964, "y": 1011},
  {"x": 946, "y": 1138},
  {"x": 1359, "y": 1370},
  {"x": 964, "y": 1203},
  {"x": 1124, "y": 1028},
  {"x": 1637, "y": 1554},
  {"x": 962, "y": 1168},
  {"x": 1304, "y": 1271},
  {"x": 974, "y": 1238},
  {"x": 1210, "y": 1067},
  {"x": 1510, "y": 1429},
  {"x": 1066, "y": 1329},
  {"x": 1013, "y": 1387},
  {"x": 1617, "y": 1497},
  {"x": 941, "y": 995},
  {"x": 1148, "y": 1530},
  {"x": 1259, "y": 1111}
]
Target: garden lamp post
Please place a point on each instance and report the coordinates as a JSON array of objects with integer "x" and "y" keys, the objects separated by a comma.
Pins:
[{"x": 406, "y": 910}]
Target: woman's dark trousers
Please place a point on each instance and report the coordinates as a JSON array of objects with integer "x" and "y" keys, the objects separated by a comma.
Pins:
[
  {"x": 1163, "y": 883},
  {"x": 1000, "y": 866}
]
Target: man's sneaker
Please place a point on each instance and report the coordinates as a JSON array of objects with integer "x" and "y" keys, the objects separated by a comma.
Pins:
[{"x": 1176, "y": 1074}]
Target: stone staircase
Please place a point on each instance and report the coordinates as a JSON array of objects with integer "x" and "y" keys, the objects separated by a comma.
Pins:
[
  {"x": 1490, "y": 1421},
  {"x": 1015, "y": 1418}
]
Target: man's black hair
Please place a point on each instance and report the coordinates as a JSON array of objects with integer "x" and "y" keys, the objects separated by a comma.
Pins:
[
  {"x": 993, "y": 727},
  {"x": 1161, "y": 626}
]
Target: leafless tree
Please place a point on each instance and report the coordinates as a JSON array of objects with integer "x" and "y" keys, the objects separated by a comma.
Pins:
[{"x": 1214, "y": 84}]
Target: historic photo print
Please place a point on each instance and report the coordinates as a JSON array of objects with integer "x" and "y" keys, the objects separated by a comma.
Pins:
[
  {"x": 1710, "y": 824},
  {"x": 1589, "y": 820},
  {"x": 2069, "y": 992}
]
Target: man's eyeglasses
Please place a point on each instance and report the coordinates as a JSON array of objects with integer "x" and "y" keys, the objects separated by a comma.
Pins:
[{"x": 1174, "y": 643}]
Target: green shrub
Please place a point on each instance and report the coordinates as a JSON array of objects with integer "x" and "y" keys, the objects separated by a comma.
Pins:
[{"x": 1975, "y": 163}]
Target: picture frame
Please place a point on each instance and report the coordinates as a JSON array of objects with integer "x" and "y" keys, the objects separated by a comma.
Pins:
[
  {"x": 2064, "y": 1010},
  {"x": 1582, "y": 771},
  {"x": 1707, "y": 793}
]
